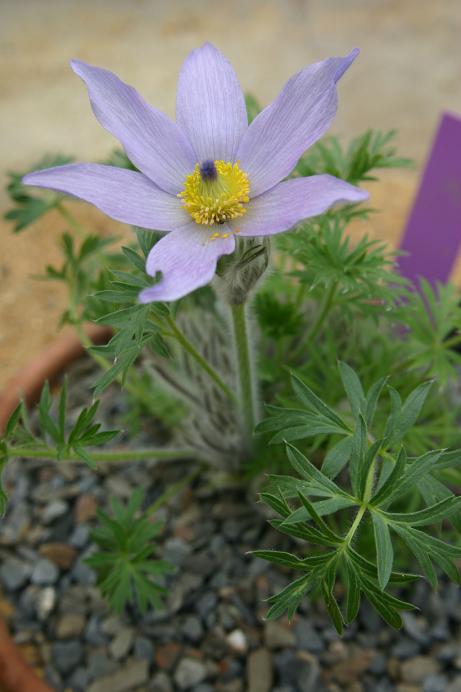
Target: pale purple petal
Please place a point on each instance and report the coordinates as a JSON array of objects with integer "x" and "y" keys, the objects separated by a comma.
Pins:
[
  {"x": 187, "y": 259},
  {"x": 210, "y": 107},
  {"x": 294, "y": 200},
  {"x": 124, "y": 195},
  {"x": 298, "y": 117},
  {"x": 152, "y": 141}
]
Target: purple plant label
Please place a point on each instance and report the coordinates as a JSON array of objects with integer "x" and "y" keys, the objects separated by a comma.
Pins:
[{"x": 432, "y": 237}]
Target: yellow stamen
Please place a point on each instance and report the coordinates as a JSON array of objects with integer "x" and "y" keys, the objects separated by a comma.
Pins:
[{"x": 216, "y": 199}]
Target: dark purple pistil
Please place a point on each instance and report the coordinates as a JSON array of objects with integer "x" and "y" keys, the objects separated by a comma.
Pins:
[{"x": 208, "y": 171}]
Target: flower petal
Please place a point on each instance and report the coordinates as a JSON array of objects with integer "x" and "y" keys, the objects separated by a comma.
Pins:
[
  {"x": 299, "y": 116},
  {"x": 124, "y": 195},
  {"x": 294, "y": 200},
  {"x": 187, "y": 259},
  {"x": 210, "y": 107},
  {"x": 152, "y": 141}
]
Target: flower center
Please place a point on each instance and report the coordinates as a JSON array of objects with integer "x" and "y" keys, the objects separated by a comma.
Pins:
[{"x": 215, "y": 192}]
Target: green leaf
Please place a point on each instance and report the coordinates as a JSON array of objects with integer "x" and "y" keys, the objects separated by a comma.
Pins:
[
  {"x": 125, "y": 565},
  {"x": 47, "y": 424},
  {"x": 322, "y": 508},
  {"x": 425, "y": 547},
  {"x": 450, "y": 459},
  {"x": 333, "y": 609},
  {"x": 384, "y": 549},
  {"x": 277, "y": 503},
  {"x": 393, "y": 480},
  {"x": 359, "y": 450},
  {"x": 429, "y": 515},
  {"x": 352, "y": 592},
  {"x": 337, "y": 457},
  {"x": 323, "y": 527},
  {"x": 372, "y": 399},
  {"x": 289, "y": 598},
  {"x": 312, "y": 401},
  {"x": 13, "y": 420},
  {"x": 353, "y": 388},
  {"x": 278, "y": 557},
  {"x": 311, "y": 473},
  {"x": 409, "y": 413},
  {"x": 252, "y": 106},
  {"x": 418, "y": 468}
]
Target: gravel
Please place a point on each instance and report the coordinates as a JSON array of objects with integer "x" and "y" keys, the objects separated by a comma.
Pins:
[{"x": 211, "y": 634}]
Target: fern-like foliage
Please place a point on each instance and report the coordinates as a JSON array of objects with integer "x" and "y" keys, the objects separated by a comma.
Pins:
[
  {"x": 376, "y": 478},
  {"x": 126, "y": 568}
]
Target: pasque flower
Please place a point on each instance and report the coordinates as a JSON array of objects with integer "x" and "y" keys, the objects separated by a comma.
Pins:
[{"x": 210, "y": 176}]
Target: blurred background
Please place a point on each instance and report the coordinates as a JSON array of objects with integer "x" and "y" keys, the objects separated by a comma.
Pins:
[{"x": 409, "y": 71}]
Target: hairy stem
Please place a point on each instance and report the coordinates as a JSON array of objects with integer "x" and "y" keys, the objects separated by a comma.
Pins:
[
  {"x": 244, "y": 369},
  {"x": 105, "y": 456},
  {"x": 192, "y": 351},
  {"x": 368, "y": 491}
]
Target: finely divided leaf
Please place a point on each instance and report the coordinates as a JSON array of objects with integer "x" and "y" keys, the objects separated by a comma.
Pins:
[
  {"x": 384, "y": 550},
  {"x": 353, "y": 388}
]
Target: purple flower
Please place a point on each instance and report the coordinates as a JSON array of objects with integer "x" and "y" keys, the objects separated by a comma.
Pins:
[{"x": 209, "y": 176}]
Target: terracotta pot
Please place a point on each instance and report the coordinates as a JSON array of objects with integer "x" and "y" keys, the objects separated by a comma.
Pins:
[
  {"x": 15, "y": 673},
  {"x": 46, "y": 366}
]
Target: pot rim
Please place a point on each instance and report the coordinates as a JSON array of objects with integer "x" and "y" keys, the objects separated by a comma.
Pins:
[{"x": 16, "y": 675}]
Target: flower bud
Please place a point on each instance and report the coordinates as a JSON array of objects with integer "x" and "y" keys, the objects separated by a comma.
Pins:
[{"x": 238, "y": 273}]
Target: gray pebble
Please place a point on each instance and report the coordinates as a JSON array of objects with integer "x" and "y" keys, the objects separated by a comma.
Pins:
[
  {"x": 176, "y": 551},
  {"x": 232, "y": 529},
  {"x": 192, "y": 629},
  {"x": 440, "y": 631},
  {"x": 259, "y": 671},
  {"x": 454, "y": 686},
  {"x": 78, "y": 681},
  {"x": 14, "y": 573},
  {"x": 99, "y": 664},
  {"x": 70, "y": 626},
  {"x": 130, "y": 676},
  {"x": 54, "y": 510},
  {"x": 435, "y": 683},
  {"x": 416, "y": 628},
  {"x": 447, "y": 653},
  {"x": 161, "y": 683},
  {"x": 206, "y": 603},
  {"x": 143, "y": 648},
  {"x": 66, "y": 655},
  {"x": 405, "y": 648},
  {"x": 278, "y": 636},
  {"x": 118, "y": 486},
  {"x": 45, "y": 602},
  {"x": 121, "y": 645},
  {"x": 307, "y": 637},
  {"x": 189, "y": 672},
  {"x": 44, "y": 573},
  {"x": 83, "y": 574},
  {"x": 80, "y": 536},
  {"x": 378, "y": 664},
  {"x": 217, "y": 544},
  {"x": 299, "y": 670},
  {"x": 111, "y": 625},
  {"x": 93, "y": 633},
  {"x": 16, "y": 523},
  {"x": 203, "y": 563}
]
